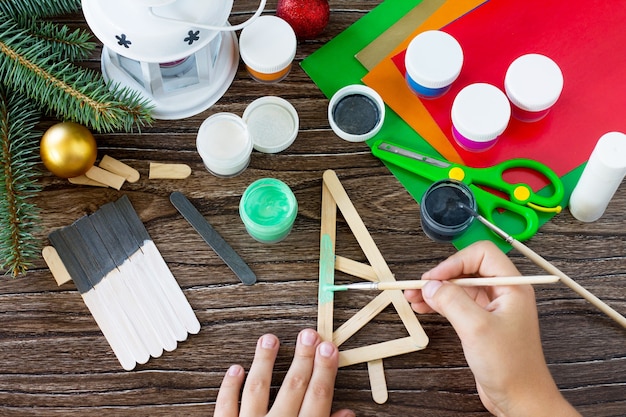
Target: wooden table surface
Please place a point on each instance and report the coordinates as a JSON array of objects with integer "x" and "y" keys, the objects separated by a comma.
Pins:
[{"x": 54, "y": 361}]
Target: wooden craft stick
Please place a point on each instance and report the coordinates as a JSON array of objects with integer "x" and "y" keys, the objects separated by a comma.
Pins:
[
  {"x": 378, "y": 383},
  {"x": 374, "y": 256},
  {"x": 354, "y": 268},
  {"x": 325, "y": 302},
  {"x": 463, "y": 282},
  {"x": 360, "y": 319},
  {"x": 118, "y": 167},
  {"x": 83, "y": 180},
  {"x": 55, "y": 264},
  {"x": 169, "y": 171},
  {"x": 105, "y": 177},
  {"x": 377, "y": 351},
  {"x": 548, "y": 267}
]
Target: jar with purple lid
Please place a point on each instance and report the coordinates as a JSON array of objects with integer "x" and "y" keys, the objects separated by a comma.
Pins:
[{"x": 480, "y": 114}]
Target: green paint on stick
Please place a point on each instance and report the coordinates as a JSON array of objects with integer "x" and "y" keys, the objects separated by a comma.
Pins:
[{"x": 327, "y": 270}]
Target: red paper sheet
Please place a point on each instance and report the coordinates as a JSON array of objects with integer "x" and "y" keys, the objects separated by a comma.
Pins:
[{"x": 585, "y": 38}]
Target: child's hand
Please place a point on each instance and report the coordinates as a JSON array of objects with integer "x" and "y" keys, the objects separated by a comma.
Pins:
[
  {"x": 306, "y": 391},
  {"x": 499, "y": 332}
]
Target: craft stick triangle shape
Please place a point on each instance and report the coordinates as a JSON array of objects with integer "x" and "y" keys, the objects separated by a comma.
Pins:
[{"x": 334, "y": 196}]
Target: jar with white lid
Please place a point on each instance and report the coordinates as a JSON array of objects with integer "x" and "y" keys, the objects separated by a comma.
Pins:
[
  {"x": 533, "y": 83},
  {"x": 433, "y": 62},
  {"x": 224, "y": 144},
  {"x": 480, "y": 114},
  {"x": 267, "y": 47}
]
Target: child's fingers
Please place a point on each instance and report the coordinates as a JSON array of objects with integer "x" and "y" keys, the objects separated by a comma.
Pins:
[
  {"x": 227, "y": 403},
  {"x": 256, "y": 391}
]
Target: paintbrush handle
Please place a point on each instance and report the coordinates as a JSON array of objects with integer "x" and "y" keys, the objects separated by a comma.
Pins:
[
  {"x": 472, "y": 282},
  {"x": 579, "y": 289}
]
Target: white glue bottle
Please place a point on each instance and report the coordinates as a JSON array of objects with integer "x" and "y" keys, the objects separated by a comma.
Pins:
[{"x": 601, "y": 177}]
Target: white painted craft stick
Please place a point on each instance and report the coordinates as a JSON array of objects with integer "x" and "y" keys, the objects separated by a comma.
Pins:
[
  {"x": 121, "y": 214},
  {"x": 110, "y": 330},
  {"x": 173, "y": 291},
  {"x": 160, "y": 271}
]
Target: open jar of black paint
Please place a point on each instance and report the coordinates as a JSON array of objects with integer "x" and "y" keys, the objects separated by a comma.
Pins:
[{"x": 443, "y": 217}]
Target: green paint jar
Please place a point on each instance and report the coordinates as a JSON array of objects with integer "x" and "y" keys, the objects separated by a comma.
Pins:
[{"x": 268, "y": 209}]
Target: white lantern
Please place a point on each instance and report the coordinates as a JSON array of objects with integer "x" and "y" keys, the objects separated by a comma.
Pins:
[{"x": 180, "y": 54}]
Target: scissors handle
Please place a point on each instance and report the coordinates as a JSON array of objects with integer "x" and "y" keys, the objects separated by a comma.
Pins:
[
  {"x": 520, "y": 193},
  {"x": 488, "y": 204}
]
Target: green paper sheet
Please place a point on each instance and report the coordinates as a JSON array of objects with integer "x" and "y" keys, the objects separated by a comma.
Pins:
[{"x": 334, "y": 66}]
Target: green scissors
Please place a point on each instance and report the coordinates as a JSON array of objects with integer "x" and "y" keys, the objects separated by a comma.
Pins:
[{"x": 523, "y": 201}]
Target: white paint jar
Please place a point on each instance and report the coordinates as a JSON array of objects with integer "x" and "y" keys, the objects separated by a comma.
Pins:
[
  {"x": 224, "y": 144},
  {"x": 533, "y": 83},
  {"x": 433, "y": 62},
  {"x": 601, "y": 177},
  {"x": 480, "y": 114}
]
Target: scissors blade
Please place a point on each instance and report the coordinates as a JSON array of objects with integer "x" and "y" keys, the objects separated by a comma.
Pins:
[{"x": 387, "y": 147}]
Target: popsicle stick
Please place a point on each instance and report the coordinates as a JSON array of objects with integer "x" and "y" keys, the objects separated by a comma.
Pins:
[
  {"x": 105, "y": 177},
  {"x": 84, "y": 180},
  {"x": 373, "y": 255},
  {"x": 360, "y": 319},
  {"x": 55, "y": 264},
  {"x": 118, "y": 167},
  {"x": 158, "y": 270},
  {"x": 378, "y": 382},
  {"x": 169, "y": 171},
  {"x": 377, "y": 351},
  {"x": 354, "y": 268},
  {"x": 325, "y": 301}
]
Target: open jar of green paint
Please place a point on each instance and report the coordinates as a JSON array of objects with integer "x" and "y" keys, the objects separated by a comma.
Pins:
[{"x": 268, "y": 209}]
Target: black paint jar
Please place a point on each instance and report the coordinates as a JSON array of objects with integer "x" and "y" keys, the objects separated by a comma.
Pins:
[{"x": 443, "y": 218}]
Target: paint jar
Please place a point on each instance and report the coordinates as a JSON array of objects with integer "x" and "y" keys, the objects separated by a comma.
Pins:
[
  {"x": 267, "y": 47},
  {"x": 533, "y": 83},
  {"x": 272, "y": 122},
  {"x": 601, "y": 177},
  {"x": 356, "y": 113},
  {"x": 268, "y": 209},
  {"x": 433, "y": 62},
  {"x": 224, "y": 144},
  {"x": 480, "y": 114},
  {"x": 443, "y": 218}
]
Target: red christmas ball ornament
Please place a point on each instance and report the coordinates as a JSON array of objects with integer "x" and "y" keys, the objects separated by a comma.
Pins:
[{"x": 308, "y": 18}]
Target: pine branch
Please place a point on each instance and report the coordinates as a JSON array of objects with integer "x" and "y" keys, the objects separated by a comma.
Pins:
[
  {"x": 35, "y": 69},
  {"x": 19, "y": 218},
  {"x": 38, "y": 8},
  {"x": 71, "y": 45}
]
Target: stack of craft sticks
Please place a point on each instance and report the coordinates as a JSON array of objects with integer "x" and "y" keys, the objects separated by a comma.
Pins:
[{"x": 125, "y": 283}]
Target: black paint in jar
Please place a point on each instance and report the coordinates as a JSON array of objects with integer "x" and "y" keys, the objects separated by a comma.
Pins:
[{"x": 443, "y": 217}]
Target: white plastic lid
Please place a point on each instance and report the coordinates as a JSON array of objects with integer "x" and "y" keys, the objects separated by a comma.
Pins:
[
  {"x": 359, "y": 121},
  {"x": 143, "y": 31},
  {"x": 481, "y": 112},
  {"x": 224, "y": 143},
  {"x": 268, "y": 44},
  {"x": 533, "y": 82},
  {"x": 434, "y": 59},
  {"x": 272, "y": 122}
]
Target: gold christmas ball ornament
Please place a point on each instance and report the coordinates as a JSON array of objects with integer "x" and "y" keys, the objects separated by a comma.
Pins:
[{"x": 68, "y": 149}]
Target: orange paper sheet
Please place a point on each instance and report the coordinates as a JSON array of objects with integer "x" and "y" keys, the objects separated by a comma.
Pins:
[{"x": 389, "y": 82}]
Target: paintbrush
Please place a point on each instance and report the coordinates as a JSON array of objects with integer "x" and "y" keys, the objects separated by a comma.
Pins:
[
  {"x": 463, "y": 282},
  {"x": 548, "y": 267}
]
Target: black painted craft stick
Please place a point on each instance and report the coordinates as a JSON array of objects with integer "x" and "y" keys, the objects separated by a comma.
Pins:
[{"x": 210, "y": 236}]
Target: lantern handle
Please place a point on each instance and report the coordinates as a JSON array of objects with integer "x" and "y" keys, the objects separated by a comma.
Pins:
[{"x": 210, "y": 27}]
